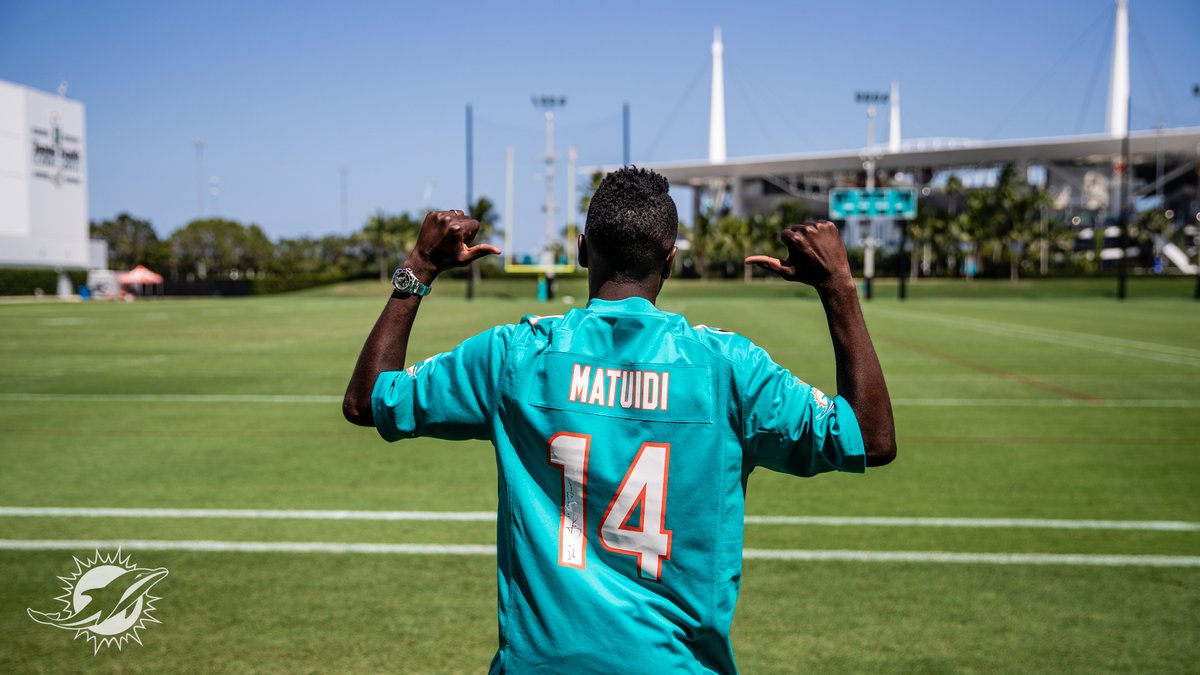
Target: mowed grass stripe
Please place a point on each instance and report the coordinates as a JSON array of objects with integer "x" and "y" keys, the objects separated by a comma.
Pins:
[
  {"x": 481, "y": 550},
  {"x": 995, "y": 372},
  {"x": 256, "y": 514},
  {"x": 1043, "y": 403},
  {"x": 488, "y": 516},
  {"x": 175, "y": 398},
  {"x": 330, "y": 399},
  {"x": 1115, "y": 346}
]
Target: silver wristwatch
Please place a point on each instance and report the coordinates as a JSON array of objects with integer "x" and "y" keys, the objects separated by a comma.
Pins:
[{"x": 404, "y": 281}]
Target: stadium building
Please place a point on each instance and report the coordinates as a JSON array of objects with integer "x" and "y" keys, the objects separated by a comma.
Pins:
[{"x": 1081, "y": 173}]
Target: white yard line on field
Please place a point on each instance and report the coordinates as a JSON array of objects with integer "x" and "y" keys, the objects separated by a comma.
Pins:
[
  {"x": 479, "y": 550},
  {"x": 1102, "y": 343},
  {"x": 243, "y": 546},
  {"x": 328, "y": 399},
  {"x": 490, "y": 516},
  {"x": 1043, "y": 403},
  {"x": 255, "y": 514},
  {"x": 979, "y": 558},
  {"x": 1035, "y": 523},
  {"x": 176, "y": 398}
]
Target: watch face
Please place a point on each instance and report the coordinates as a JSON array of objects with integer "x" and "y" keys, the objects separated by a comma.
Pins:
[{"x": 404, "y": 281}]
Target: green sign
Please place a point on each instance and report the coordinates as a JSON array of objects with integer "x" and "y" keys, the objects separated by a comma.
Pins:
[{"x": 899, "y": 203}]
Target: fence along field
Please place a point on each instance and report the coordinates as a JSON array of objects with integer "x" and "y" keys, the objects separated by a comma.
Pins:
[{"x": 1042, "y": 516}]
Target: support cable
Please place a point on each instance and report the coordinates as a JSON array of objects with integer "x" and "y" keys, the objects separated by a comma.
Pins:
[
  {"x": 649, "y": 154},
  {"x": 1047, "y": 75},
  {"x": 1158, "y": 87},
  {"x": 1105, "y": 46}
]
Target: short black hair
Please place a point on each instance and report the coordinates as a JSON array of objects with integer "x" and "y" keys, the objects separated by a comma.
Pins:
[{"x": 632, "y": 222}]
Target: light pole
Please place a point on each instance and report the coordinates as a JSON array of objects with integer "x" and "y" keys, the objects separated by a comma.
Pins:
[
  {"x": 872, "y": 99},
  {"x": 1123, "y": 212},
  {"x": 547, "y": 104},
  {"x": 345, "y": 185},
  {"x": 199, "y": 178},
  {"x": 624, "y": 135},
  {"x": 474, "y": 268},
  {"x": 1196, "y": 293},
  {"x": 214, "y": 189}
]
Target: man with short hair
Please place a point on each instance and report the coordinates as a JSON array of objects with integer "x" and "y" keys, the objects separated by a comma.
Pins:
[{"x": 624, "y": 437}]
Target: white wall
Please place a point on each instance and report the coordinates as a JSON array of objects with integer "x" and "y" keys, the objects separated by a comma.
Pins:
[{"x": 43, "y": 180}]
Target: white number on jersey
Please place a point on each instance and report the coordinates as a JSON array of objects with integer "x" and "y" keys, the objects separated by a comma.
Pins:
[
  {"x": 642, "y": 495},
  {"x": 570, "y": 451},
  {"x": 644, "y": 489}
]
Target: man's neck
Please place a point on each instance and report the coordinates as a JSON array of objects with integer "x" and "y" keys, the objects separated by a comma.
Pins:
[{"x": 620, "y": 290}]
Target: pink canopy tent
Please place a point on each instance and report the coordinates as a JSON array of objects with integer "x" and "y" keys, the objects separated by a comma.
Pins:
[{"x": 140, "y": 277}]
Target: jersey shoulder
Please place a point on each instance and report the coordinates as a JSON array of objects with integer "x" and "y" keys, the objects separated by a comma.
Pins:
[
  {"x": 727, "y": 344},
  {"x": 540, "y": 323}
]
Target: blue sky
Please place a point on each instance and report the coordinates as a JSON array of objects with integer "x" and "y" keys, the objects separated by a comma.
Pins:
[{"x": 285, "y": 94}]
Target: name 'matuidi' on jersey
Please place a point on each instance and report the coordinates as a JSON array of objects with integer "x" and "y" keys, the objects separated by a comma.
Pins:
[{"x": 624, "y": 438}]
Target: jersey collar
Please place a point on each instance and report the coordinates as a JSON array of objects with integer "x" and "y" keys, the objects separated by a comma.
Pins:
[{"x": 631, "y": 305}]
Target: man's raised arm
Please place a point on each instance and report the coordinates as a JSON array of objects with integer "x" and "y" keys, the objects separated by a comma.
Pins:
[
  {"x": 816, "y": 257},
  {"x": 444, "y": 242}
]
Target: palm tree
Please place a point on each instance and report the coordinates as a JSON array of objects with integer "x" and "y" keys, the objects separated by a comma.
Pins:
[
  {"x": 593, "y": 184},
  {"x": 484, "y": 211},
  {"x": 954, "y": 229},
  {"x": 378, "y": 239},
  {"x": 1025, "y": 213},
  {"x": 762, "y": 232},
  {"x": 1016, "y": 206},
  {"x": 1053, "y": 235},
  {"x": 976, "y": 227},
  {"x": 921, "y": 231},
  {"x": 702, "y": 236}
]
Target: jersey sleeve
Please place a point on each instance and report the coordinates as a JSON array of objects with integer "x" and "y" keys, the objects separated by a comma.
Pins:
[
  {"x": 791, "y": 426},
  {"x": 451, "y": 395}
]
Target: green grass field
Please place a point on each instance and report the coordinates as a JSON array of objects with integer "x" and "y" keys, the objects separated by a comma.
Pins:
[{"x": 1046, "y": 401}]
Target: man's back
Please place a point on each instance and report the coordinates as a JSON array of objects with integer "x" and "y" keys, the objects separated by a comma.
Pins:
[{"x": 624, "y": 437}]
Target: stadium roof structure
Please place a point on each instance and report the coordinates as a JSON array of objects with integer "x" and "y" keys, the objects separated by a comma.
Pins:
[
  {"x": 936, "y": 154},
  {"x": 1083, "y": 170}
]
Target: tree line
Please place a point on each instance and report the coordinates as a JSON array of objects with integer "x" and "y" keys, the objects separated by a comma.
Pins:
[
  {"x": 218, "y": 248},
  {"x": 1008, "y": 229}
]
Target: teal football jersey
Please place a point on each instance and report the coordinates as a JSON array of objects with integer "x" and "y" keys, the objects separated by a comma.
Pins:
[{"x": 624, "y": 438}]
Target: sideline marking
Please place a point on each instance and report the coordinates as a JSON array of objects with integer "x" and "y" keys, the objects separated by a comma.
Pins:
[
  {"x": 1036, "y": 523},
  {"x": 258, "y": 514},
  {"x": 1110, "y": 345},
  {"x": 177, "y": 398},
  {"x": 490, "y": 516},
  {"x": 325, "y": 399},
  {"x": 1043, "y": 403},
  {"x": 984, "y": 558},
  {"x": 480, "y": 550}
]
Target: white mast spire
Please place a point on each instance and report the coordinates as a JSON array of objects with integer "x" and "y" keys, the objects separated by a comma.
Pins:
[
  {"x": 716, "y": 113},
  {"x": 894, "y": 119},
  {"x": 1118, "y": 83}
]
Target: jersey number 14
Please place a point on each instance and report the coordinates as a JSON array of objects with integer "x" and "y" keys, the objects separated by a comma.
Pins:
[{"x": 644, "y": 489}]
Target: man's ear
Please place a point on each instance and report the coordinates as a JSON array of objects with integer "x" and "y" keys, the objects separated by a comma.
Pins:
[
  {"x": 581, "y": 251},
  {"x": 670, "y": 263}
]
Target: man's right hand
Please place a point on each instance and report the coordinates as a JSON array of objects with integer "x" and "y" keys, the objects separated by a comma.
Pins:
[
  {"x": 445, "y": 242},
  {"x": 815, "y": 256}
]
